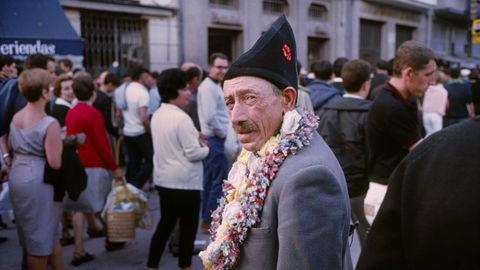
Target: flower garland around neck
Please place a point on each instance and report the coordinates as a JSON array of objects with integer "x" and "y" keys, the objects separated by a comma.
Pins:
[{"x": 246, "y": 189}]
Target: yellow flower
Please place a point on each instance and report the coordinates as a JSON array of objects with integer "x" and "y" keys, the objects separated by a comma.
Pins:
[{"x": 269, "y": 145}]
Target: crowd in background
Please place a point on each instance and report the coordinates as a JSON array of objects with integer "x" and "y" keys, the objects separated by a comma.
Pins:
[{"x": 170, "y": 129}]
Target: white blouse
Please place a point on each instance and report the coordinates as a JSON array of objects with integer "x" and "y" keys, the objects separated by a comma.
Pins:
[{"x": 177, "y": 155}]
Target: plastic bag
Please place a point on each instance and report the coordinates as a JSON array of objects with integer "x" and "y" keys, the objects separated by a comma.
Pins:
[
  {"x": 125, "y": 196},
  {"x": 373, "y": 200}
]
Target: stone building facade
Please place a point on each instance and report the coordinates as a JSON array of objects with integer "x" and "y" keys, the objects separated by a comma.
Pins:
[{"x": 165, "y": 33}]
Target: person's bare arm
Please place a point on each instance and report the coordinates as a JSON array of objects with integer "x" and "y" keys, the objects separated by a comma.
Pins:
[
  {"x": 53, "y": 146},
  {"x": 415, "y": 145},
  {"x": 143, "y": 113},
  {"x": 7, "y": 159},
  {"x": 471, "y": 109}
]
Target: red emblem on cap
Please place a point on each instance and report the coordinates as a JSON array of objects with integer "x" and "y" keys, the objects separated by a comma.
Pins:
[{"x": 287, "y": 53}]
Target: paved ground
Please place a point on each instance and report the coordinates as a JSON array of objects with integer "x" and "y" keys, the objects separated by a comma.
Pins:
[{"x": 133, "y": 256}]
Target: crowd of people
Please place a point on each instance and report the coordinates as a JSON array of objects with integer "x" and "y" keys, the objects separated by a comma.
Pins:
[{"x": 278, "y": 164}]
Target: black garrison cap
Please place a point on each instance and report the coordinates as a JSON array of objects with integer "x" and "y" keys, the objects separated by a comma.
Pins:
[{"x": 272, "y": 58}]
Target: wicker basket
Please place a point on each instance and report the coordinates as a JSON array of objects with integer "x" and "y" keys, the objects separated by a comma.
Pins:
[{"x": 120, "y": 225}]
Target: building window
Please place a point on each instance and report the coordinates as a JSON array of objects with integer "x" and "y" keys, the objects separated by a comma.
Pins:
[
  {"x": 224, "y": 3},
  {"x": 403, "y": 33},
  {"x": 318, "y": 12},
  {"x": 275, "y": 6},
  {"x": 317, "y": 50},
  {"x": 110, "y": 37},
  {"x": 370, "y": 41},
  {"x": 225, "y": 41}
]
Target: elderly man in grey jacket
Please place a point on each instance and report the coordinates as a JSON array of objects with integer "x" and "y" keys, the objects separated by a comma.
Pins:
[{"x": 285, "y": 203}]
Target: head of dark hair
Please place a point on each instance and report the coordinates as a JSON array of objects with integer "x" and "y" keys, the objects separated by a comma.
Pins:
[
  {"x": 57, "y": 87},
  {"x": 111, "y": 78},
  {"x": 216, "y": 55},
  {"x": 454, "y": 73},
  {"x": 136, "y": 72},
  {"x": 322, "y": 69},
  {"x": 382, "y": 64},
  {"x": 354, "y": 74},
  {"x": 338, "y": 64},
  {"x": 6, "y": 60},
  {"x": 192, "y": 72},
  {"x": 38, "y": 60},
  {"x": 155, "y": 75},
  {"x": 169, "y": 82},
  {"x": 66, "y": 62},
  {"x": 33, "y": 82},
  {"x": 83, "y": 87},
  {"x": 411, "y": 54}
]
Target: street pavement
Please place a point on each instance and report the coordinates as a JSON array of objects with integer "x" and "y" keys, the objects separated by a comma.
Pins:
[{"x": 133, "y": 256}]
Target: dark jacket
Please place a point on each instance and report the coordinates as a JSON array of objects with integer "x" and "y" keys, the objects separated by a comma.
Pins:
[
  {"x": 104, "y": 104},
  {"x": 71, "y": 178},
  {"x": 342, "y": 126},
  {"x": 429, "y": 217},
  {"x": 321, "y": 94},
  {"x": 378, "y": 80}
]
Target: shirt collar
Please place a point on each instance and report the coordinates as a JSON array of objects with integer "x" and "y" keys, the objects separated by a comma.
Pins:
[
  {"x": 61, "y": 101},
  {"x": 215, "y": 81},
  {"x": 347, "y": 95}
]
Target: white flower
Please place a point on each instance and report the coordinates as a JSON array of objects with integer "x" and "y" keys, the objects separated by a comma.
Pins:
[
  {"x": 290, "y": 122},
  {"x": 213, "y": 251},
  {"x": 253, "y": 163},
  {"x": 236, "y": 174},
  {"x": 231, "y": 210}
]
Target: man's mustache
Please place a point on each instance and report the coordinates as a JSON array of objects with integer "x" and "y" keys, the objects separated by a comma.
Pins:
[{"x": 244, "y": 127}]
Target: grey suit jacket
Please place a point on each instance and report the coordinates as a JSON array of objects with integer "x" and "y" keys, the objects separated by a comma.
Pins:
[{"x": 305, "y": 218}]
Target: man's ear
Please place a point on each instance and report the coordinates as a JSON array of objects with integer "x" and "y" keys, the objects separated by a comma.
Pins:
[
  {"x": 407, "y": 73},
  {"x": 289, "y": 97}
]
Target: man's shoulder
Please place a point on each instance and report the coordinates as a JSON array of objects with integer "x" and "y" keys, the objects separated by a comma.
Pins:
[
  {"x": 460, "y": 140},
  {"x": 206, "y": 84},
  {"x": 8, "y": 87},
  {"x": 319, "y": 85},
  {"x": 316, "y": 156},
  {"x": 386, "y": 101},
  {"x": 101, "y": 99},
  {"x": 137, "y": 88},
  {"x": 349, "y": 104}
]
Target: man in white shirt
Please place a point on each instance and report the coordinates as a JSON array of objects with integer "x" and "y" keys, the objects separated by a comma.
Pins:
[
  {"x": 214, "y": 123},
  {"x": 136, "y": 129}
]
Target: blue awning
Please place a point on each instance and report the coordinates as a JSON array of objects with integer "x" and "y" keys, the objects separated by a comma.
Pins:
[{"x": 39, "y": 26}]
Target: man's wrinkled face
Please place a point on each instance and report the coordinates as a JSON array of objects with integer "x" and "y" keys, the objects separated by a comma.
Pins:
[
  {"x": 218, "y": 69},
  {"x": 420, "y": 80},
  {"x": 255, "y": 110}
]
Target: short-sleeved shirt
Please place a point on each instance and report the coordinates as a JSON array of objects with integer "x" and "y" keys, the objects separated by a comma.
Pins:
[
  {"x": 136, "y": 96},
  {"x": 392, "y": 128}
]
